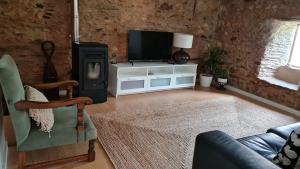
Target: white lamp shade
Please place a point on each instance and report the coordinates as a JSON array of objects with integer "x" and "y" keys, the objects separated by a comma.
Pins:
[{"x": 181, "y": 40}]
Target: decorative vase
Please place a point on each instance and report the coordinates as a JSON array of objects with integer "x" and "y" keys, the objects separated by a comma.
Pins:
[{"x": 181, "y": 57}]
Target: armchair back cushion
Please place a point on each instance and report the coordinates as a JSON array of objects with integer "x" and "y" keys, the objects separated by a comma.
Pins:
[{"x": 13, "y": 91}]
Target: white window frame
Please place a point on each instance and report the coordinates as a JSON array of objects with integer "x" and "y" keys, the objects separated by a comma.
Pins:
[{"x": 292, "y": 49}]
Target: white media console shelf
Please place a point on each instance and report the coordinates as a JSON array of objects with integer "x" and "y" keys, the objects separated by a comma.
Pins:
[{"x": 141, "y": 77}]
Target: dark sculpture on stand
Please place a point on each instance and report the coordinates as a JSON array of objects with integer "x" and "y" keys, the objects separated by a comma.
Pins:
[{"x": 50, "y": 74}]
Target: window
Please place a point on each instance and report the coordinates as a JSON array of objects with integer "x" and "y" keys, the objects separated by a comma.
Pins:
[
  {"x": 280, "y": 65},
  {"x": 295, "y": 52}
]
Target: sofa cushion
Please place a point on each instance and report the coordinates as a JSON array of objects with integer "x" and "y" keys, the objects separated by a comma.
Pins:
[
  {"x": 289, "y": 154},
  {"x": 284, "y": 131},
  {"x": 63, "y": 131},
  {"x": 267, "y": 145},
  {"x": 217, "y": 150},
  {"x": 288, "y": 74}
]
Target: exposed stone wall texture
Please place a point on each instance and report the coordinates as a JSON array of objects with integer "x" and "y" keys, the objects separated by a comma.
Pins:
[
  {"x": 25, "y": 24},
  {"x": 245, "y": 33},
  {"x": 108, "y": 21},
  {"x": 243, "y": 27}
]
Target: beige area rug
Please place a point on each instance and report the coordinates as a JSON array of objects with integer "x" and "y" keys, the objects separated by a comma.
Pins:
[{"x": 159, "y": 135}]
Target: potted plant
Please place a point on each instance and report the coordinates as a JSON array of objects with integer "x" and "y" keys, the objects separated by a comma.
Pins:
[
  {"x": 211, "y": 66},
  {"x": 222, "y": 75},
  {"x": 222, "y": 78}
]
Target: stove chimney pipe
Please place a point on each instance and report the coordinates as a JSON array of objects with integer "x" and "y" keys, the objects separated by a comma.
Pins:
[{"x": 76, "y": 35}]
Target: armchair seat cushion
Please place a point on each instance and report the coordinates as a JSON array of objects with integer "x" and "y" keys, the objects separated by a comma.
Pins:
[{"x": 63, "y": 132}]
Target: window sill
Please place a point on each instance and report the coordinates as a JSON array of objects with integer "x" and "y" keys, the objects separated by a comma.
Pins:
[
  {"x": 280, "y": 83},
  {"x": 293, "y": 67}
]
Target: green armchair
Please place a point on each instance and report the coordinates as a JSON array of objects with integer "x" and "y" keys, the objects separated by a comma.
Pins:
[{"x": 72, "y": 124}]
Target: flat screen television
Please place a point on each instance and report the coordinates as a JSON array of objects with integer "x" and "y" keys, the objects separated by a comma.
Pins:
[{"x": 149, "y": 45}]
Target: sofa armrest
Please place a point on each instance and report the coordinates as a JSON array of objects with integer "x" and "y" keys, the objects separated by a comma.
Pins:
[
  {"x": 217, "y": 150},
  {"x": 284, "y": 131}
]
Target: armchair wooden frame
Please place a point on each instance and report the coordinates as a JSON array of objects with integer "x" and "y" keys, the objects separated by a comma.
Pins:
[
  {"x": 80, "y": 102},
  {"x": 68, "y": 85}
]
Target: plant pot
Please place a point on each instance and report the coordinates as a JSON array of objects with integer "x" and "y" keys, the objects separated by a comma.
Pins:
[
  {"x": 205, "y": 80},
  {"x": 222, "y": 80}
]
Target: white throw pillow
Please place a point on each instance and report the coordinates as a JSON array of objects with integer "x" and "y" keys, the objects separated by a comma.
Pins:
[
  {"x": 43, "y": 117},
  {"x": 288, "y": 74}
]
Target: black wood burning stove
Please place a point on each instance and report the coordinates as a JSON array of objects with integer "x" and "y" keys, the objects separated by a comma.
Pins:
[{"x": 90, "y": 69}]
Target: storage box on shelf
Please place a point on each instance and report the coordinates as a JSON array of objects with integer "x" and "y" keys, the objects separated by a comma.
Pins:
[{"x": 125, "y": 78}]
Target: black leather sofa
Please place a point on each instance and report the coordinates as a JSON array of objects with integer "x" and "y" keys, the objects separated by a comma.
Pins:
[{"x": 217, "y": 150}]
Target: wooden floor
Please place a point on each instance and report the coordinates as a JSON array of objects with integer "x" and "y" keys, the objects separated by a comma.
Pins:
[{"x": 102, "y": 161}]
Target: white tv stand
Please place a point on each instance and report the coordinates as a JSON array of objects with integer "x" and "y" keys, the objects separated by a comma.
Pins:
[{"x": 141, "y": 77}]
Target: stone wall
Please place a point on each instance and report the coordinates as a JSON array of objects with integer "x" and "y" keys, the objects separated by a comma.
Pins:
[
  {"x": 245, "y": 32},
  {"x": 108, "y": 21},
  {"x": 25, "y": 24},
  {"x": 242, "y": 26}
]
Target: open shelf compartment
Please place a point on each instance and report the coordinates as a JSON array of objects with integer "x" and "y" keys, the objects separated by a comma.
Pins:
[
  {"x": 154, "y": 71},
  {"x": 132, "y": 72},
  {"x": 185, "y": 69}
]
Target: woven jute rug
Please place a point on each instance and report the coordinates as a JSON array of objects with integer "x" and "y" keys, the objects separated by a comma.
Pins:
[{"x": 159, "y": 135}]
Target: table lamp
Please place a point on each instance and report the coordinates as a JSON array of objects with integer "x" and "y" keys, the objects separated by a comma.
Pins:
[{"x": 182, "y": 41}]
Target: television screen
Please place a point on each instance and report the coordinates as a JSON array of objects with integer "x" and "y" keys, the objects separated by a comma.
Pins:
[{"x": 149, "y": 45}]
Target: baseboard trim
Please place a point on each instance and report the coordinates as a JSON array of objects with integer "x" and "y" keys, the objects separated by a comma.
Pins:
[{"x": 263, "y": 100}]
